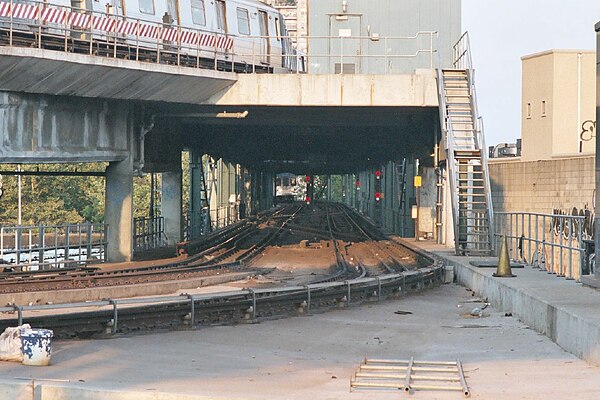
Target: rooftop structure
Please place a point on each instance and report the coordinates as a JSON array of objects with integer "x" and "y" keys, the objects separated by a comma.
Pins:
[
  {"x": 558, "y": 97},
  {"x": 388, "y": 36}
]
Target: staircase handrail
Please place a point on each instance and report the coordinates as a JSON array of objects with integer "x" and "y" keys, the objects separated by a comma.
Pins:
[
  {"x": 462, "y": 53},
  {"x": 463, "y": 59}
]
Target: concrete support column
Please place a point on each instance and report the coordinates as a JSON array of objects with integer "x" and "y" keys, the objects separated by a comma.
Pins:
[
  {"x": 195, "y": 206},
  {"x": 118, "y": 211},
  {"x": 170, "y": 206}
]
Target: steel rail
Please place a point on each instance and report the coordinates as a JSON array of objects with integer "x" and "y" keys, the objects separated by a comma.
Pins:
[{"x": 126, "y": 315}]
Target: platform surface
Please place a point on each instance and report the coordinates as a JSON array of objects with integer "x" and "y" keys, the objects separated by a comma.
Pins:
[
  {"x": 564, "y": 310},
  {"x": 313, "y": 357}
]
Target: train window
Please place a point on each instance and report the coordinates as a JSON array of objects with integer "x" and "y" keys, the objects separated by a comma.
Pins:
[
  {"x": 243, "y": 21},
  {"x": 198, "y": 13},
  {"x": 221, "y": 21},
  {"x": 293, "y": 181},
  {"x": 147, "y": 6},
  {"x": 278, "y": 29}
]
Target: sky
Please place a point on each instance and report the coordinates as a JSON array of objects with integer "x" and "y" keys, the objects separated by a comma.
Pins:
[{"x": 501, "y": 32}]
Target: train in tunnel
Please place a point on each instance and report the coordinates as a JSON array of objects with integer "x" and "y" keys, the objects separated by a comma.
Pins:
[
  {"x": 289, "y": 188},
  {"x": 235, "y": 35}
]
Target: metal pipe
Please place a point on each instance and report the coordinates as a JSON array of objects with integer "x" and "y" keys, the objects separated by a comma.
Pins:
[
  {"x": 408, "y": 375},
  {"x": 463, "y": 382}
]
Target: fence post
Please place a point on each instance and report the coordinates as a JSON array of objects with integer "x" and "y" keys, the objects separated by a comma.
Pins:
[
  {"x": 570, "y": 273},
  {"x": 42, "y": 243},
  {"x": 105, "y": 242},
  {"x": 67, "y": 244},
  {"x": 529, "y": 235},
  {"x": 580, "y": 242},
  {"x": 18, "y": 244},
  {"x": 88, "y": 228}
]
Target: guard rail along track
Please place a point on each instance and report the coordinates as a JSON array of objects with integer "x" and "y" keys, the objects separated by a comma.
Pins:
[
  {"x": 208, "y": 258},
  {"x": 108, "y": 317}
]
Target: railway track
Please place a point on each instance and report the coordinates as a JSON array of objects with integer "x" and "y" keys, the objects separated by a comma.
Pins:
[
  {"x": 243, "y": 306},
  {"x": 234, "y": 248},
  {"x": 220, "y": 253}
]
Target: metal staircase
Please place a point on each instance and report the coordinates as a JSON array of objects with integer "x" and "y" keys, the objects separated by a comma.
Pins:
[{"x": 466, "y": 155}]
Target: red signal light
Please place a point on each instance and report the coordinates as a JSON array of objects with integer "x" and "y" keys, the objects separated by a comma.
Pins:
[
  {"x": 308, "y": 199},
  {"x": 378, "y": 174},
  {"x": 377, "y": 196},
  {"x": 357, "y": 184},
  {"x": 307, "y": 179}
]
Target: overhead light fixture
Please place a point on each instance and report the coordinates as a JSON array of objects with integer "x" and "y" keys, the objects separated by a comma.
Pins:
[
  {"x": 238, "y": 115},
  {"x": 224, "y": 114},
  {"x": 341, "y": 17}
]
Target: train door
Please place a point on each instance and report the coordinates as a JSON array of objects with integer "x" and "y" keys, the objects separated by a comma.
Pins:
[
  {"x": 265, "y": 43},
  {"x": 221, "y": 16},
  {"x": 116, "y": 8},
  {"x": 83, "y": 7},
  {"x": 173, "y": 9}
]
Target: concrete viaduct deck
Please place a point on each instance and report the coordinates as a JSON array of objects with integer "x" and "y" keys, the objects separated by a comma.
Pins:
[{"x": 62, "y": 107}]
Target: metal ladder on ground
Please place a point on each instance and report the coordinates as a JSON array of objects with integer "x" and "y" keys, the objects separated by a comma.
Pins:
[{"x": 466, "y": 156}]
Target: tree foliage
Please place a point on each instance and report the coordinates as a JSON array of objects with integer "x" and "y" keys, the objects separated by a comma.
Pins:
[{"x": 49, "y": 200}]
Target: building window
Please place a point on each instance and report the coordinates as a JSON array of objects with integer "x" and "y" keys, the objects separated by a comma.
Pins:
[
  {"x": 147, "y": 6},
  {"x": 543, "y": 108},
  {"x": 198, "y": 14},
  {"x": 528, "y": 111},
  {"x": 278, "y": 29},
  {"x": 243, "y": 21}
]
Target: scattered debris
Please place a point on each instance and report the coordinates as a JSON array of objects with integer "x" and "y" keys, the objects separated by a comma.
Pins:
[
  {"x": 471, "y": 326},
  {"x": 508, "y": 314}
]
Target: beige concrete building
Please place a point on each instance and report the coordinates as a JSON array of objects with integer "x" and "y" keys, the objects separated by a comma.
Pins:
[{"x": 558, "y": 104}]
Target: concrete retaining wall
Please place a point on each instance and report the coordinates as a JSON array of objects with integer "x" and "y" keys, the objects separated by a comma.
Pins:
[
  {"x": 572, "y": 328},
  {"x": 541, "y": 186}
]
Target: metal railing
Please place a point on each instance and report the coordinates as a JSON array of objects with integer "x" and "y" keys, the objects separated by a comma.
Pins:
[
  {"x": 196, "y": 224},
  {"x": 39, "y": 24},
  {"x": 29, "y": 248},
  {"x": 149, "y": 233},
  {"x": 224, "y": 215},
  {"x": 372, "y": 54},
  {"x": 462, "y": 53},
  {"x": 393, "y": 283},
  {"x": 552, "y": 242}
]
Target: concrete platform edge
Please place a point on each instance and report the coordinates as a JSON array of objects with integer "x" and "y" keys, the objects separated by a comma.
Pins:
[{"x": 573, "y": 333}]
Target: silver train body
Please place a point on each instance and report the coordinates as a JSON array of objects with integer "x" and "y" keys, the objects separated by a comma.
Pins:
[{"x": 244, "y": 32}]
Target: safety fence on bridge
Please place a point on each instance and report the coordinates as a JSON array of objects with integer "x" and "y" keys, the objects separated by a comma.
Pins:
[
  {"x": 32, "y": 248},
  {"x": 557, "y": 243},
  {"x": 44, "y": 25},
  {"x": 148, "y": 234}
]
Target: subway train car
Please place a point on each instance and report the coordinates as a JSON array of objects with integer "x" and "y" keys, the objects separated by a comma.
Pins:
[
  {"x": 287, "y": 188},
  {"x": 240, "y": 35}
]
